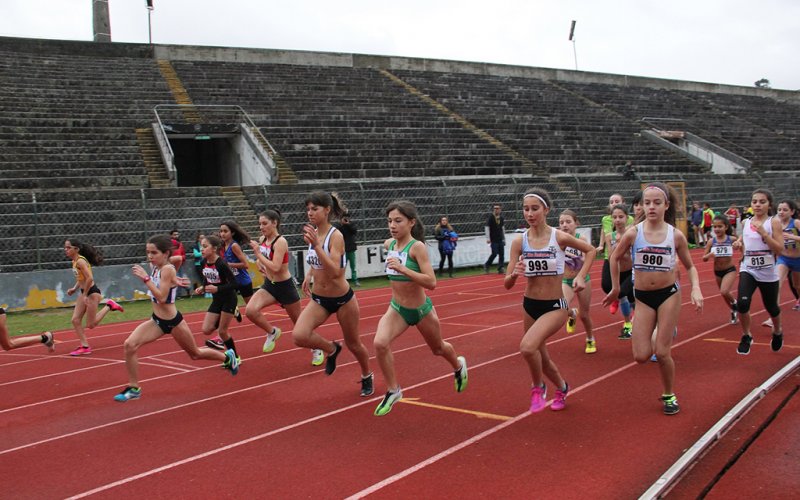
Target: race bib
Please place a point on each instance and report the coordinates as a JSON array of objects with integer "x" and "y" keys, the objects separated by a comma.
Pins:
[
  {"x": 313, "y": 259},
  {"x": 655, "y": 259},
  {"x": 540, "y": 264},
  {"x": 723, "y": 251},
  {"x": 759, "y": 259},
  {"x": 394, "y": 254}
]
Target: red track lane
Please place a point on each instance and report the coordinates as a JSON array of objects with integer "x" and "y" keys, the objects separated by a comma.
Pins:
[{"x": 282, "y": 427}]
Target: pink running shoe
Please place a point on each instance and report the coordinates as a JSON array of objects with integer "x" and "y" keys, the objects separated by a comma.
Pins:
[
  {"x": 538, "y": 398},
  {"x": 614, "y": 307},
  {"x": 114, "y": 306},
  {"x": 81, "y": 350},
  {"x": 560, "y": 399}
]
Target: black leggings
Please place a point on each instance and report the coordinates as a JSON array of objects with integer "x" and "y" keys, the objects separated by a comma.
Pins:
[
  {"x": 769, "y": 294},
  {"x": 625, "y": 282},
  {"x": 442, "y": 256}
]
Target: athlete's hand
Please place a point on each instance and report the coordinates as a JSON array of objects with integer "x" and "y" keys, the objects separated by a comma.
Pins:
[
  {"x": 611, "y": 297},
  {"x": 697, "y": 299},
  {"x": 579, "y": 283},
  {"x": 71, "y": 290},
  {"x": 139, "y": 272},
  {"x": 254, "y": 246},
  {"x": 310, "y": 235},
  {"x": 519, "y": 268},
  {"x": 394, "y": 264},
  {"x": 182, "y": 281},
  {"x": 306, "y": 288}
]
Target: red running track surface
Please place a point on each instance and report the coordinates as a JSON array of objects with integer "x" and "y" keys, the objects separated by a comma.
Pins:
[{"x": 282, "y": 428}]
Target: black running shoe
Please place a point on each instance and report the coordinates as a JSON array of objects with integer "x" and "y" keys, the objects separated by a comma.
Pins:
[
  {"x": 330, "y": 362},
  {"x": 238, "y": 315},
  {"x": 216, "y": 343},
  {"x": 744, "y": 345},
  {"x": 777, "y": 341},
  {"x": 367, "y": 385},
  {"x": 670, "y": 404}
]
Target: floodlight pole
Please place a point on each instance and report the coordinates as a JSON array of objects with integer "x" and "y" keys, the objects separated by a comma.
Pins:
[
  {"x": 572, "y": 39},
  {"x": 149, "y": 24}
]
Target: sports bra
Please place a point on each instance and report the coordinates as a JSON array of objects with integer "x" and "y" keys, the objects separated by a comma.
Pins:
[
  {"x": 405, "y": 258},
  {"x": 790, "y": 229},
  {"x": 77, "y": 271},
  {"x": 241, "y": 275},
  {"x": 546, "y": 261},
  {"x": 312, "y": 259},
  {"x": 155, "y": 276},
  {"x": 266, "y": 250},
  {"x": 723, "y": 249}
]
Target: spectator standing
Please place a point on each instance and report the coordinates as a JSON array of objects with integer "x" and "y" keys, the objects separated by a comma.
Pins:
[
  {"x": 447, "y": 237},
  {"x": 197, "y": 253},
  {"x": 496, "y": 238},
  {"x": 708, "y": 221},
  {"x": 178, "y": 256},
  {"x": 732, "y": 213},
  {"x": 697, "y": 224},
  {"x": 349, "y": 232}
]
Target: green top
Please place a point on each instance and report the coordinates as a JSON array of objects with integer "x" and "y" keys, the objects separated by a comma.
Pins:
[
  {"x": 409, "y": 263},
  {"x": 608, "y": 225}
]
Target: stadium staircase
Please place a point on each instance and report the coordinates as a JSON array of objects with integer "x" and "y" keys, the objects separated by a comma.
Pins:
[{"x": 156, "y": 172}]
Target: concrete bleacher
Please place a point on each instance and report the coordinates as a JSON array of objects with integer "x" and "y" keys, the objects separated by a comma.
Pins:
[
  {"x": 548, "y": 124},
  {"x": 759, "y": 129},
  {"x": 345, "y": 123}
]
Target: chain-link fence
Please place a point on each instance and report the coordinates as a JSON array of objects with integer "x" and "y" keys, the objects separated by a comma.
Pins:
[{"x": 119, "y": 221}]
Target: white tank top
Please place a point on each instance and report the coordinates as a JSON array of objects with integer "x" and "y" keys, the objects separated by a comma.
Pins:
[
  {"x": 654, "y": 257},
  {"x": 759, "y": 260},
  {"x": 547, "y": 261}
]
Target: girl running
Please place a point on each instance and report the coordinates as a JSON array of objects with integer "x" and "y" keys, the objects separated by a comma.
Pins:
[
  {"x": 8, "y": 343},
  {"x": 720, "y": 246},
  {"x": 218, "y": 280},
  {"x": 332, "y": 294},
  {"x": 789, "y": 259},
  {"x": 233, "y": 238},
  {"x": 761, "y": 241},
  {"x": 162, "y": 284},
  {"x": 620, "y": 222},
  {"x": 272, "y": 254},
  {"x": 410, "y": 273},
  {"x": 538, "y": 254},
  {"x": 573, "y": 262},
  {"x": 656, "y": 244},
  {"x": 606, "y": 226},
  {"x": 83, "y": 257}
]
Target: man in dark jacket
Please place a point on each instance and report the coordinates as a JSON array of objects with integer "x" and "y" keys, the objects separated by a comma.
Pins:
[
  {"x": 496, "y": 238},
  {"x": 349, "y": 232}
]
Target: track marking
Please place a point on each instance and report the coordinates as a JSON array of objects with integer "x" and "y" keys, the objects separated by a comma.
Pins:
[{"x": 479, "y": 414}]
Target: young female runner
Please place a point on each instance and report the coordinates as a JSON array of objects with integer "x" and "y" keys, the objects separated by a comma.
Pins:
[
  {"x": 656, "y": 244},
  {"x": 83, "y": 257},
  {"x": 233, "y": 238},
  {"x": 761, "y": 241},
  {"x": 8, "y": 343},
  {"x": 272, "y": 252},
  {"x": 410, "y": 272},
  {"x": 218, "y": 280},
  {"x": 720, "y": 246},
  {"x": 538, "y": 255},
  {"x": 606, "y": 226},
  {"x": 573, "y": 262},
  {"x": 332, "y": 294},
  {"x": 789, "y": 259},
  {"x": 620, "y": 222},
  {"x": 162, "y": 284}
]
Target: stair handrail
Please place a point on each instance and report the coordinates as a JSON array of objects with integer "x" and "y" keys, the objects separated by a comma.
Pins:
[
  {"x": 697, "y": 131},
  {"x": 205, "y": 112}
]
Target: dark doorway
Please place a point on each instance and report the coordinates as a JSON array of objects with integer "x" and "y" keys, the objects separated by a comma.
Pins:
[{"x": 200, "y": 162}]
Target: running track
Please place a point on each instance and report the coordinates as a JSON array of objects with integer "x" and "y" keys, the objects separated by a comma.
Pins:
[{"x": 282, "y": 428}]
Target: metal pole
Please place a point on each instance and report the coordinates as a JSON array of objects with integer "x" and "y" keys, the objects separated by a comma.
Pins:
[
  {"x": 150, "y": 28},
  {"x": 575, "y": 53}
]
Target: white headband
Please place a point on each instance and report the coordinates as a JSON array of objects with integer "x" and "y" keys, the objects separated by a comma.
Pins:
[
  {"x": 652, "y": 186},
  {"x": 538, "y": 198}
]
